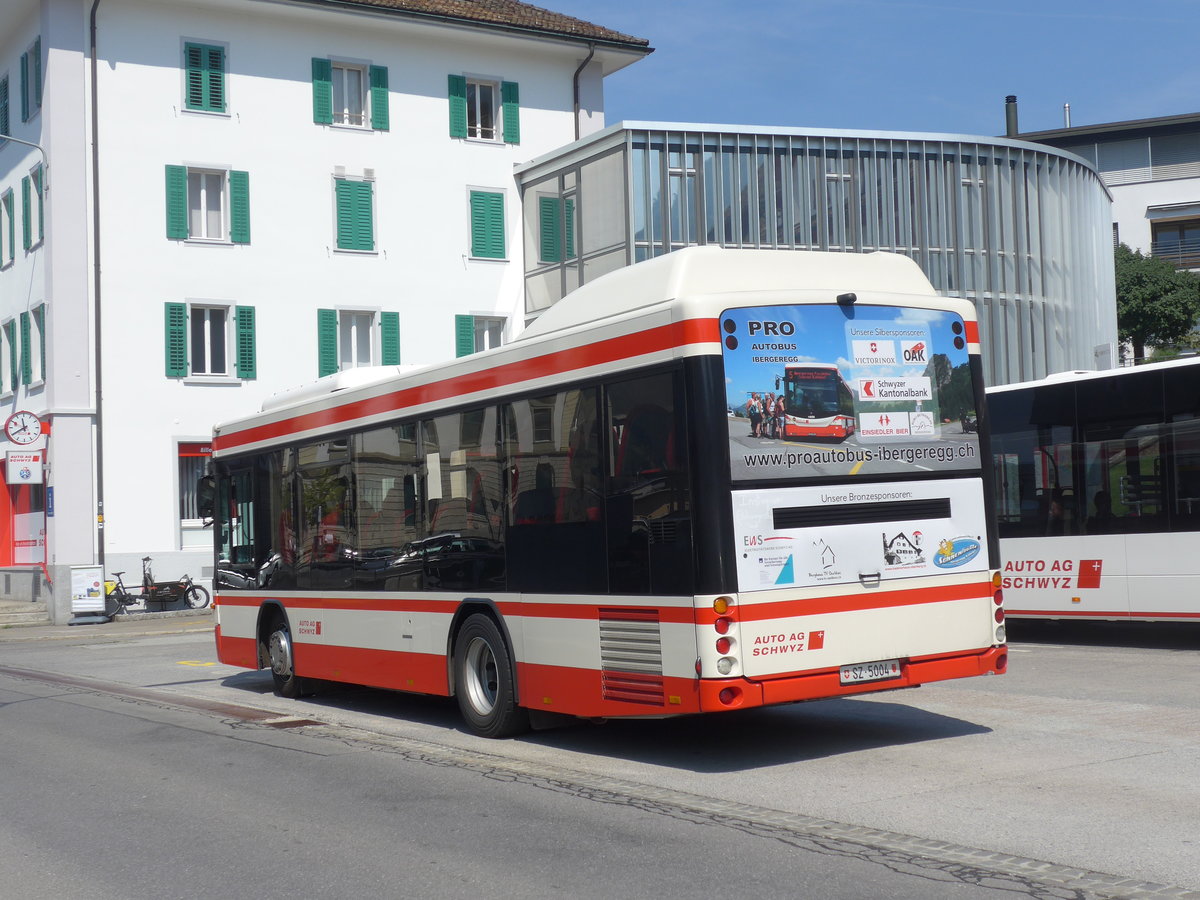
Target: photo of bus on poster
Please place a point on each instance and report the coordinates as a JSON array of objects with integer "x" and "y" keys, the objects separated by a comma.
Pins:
[{"x": 826, "y": 390}]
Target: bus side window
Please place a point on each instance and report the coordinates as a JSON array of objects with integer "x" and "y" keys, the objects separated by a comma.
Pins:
[{"x": 647, "y": 509}]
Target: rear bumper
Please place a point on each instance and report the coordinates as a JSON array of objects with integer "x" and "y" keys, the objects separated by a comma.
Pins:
[{"x": 742, "y": 693}]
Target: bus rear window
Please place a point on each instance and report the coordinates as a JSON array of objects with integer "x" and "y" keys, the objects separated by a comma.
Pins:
[{"x": 825, "y": 391}]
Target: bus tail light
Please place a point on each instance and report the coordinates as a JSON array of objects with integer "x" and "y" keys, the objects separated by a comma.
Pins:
[
  {"x": 730, "y": 695},
  {"x": 721, "y": 605},
  {"x": 723, "y": 625},
  {"x": 723, "y": 645},
  {"x": 999, "y": 614},
  {"x": 1001, "y": 637},
  {"x": 725, "y": 665}
]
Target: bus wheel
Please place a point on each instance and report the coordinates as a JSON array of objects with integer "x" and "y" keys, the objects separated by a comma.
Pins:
[
  {"x": 484, "y": 680},
  {"x": 283, "y": 664}
]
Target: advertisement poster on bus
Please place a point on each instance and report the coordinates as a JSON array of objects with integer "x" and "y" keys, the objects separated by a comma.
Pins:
[{"x": 834, "y": 391}]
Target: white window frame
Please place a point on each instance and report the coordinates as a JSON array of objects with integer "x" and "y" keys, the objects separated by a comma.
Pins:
[
  {"x": 348, "y": 337},
  {"x": 8, "y": 224},
  {"x": 340, "y": 112},
  {"x": 475, "y": 105},
  {"x": 487, "y": 328},
  {"x": 205, "y": 172},
  {"x": 204, "y": 309}
]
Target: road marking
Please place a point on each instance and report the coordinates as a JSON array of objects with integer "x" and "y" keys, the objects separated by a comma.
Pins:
[{"x": 194, "y": 662}]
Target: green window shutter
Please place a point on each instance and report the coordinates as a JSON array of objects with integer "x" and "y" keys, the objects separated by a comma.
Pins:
[
  {"x": 37, "y": 73},
  {"x": 569, "y": 215},
  {"x": 4, "y": 123},
  {"x": 177, "y": 222},
  {"x": 322, "y": 80},
  {"x": 389, "y": 338},
  {"x": 239, "y": 207},
  {"x": 41, "y": 202},
  {"x": 26, "y": 350},
  {"x": 176, "y": 339},
  {"x": 204, "y": 83},
  {"x": 39, "y": 316},
  {"x": 510, "y": 97},
  {"x": 379, "y": 98},
  {"x": 24, "y": 87},
  {"x": 10, "y": 332},
  {"x": 247, "y": 357},
  {"x": 326, "y": 342},
  {"x": 355, "y": 228},
  {"x": 548, "y": 230},
  {"x": 26, "y": 219},
  {"x": 464, "y": 335},
  {"x": 215, "y": 60},
  {"x": 487, "y": 224},
  {"x": 458, "y": 106}
]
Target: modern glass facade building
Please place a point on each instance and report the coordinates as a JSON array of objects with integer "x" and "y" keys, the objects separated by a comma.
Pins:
[{"x": 1023, "y": 230}]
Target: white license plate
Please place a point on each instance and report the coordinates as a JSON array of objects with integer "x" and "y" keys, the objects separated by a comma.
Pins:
[{"x": 884, "y": 670}]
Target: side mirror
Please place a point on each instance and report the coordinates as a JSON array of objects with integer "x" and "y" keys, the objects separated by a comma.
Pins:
[{"x": 206, "y": 494}]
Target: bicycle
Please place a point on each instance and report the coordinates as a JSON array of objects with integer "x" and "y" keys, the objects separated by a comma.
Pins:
[{"x": 195, "y": 596}]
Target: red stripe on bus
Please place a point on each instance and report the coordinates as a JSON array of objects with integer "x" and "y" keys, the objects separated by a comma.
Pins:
[
  {"x": 809, "y": 606},
  {"x": 663, "y": 337}
]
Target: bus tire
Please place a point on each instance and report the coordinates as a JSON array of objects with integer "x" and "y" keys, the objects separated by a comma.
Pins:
[
  {"x": 282, "y": 660},
  {"x": 484, "y": 684}
]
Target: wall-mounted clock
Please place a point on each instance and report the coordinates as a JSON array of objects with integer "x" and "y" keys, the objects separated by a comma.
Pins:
[{"x": 23, "y": 427}]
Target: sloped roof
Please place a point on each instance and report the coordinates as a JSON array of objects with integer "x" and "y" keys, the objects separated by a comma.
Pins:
[{"x": 504, "y": 13}]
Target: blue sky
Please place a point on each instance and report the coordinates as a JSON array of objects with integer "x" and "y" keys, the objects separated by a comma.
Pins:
[{"x": 901, "y": 65}]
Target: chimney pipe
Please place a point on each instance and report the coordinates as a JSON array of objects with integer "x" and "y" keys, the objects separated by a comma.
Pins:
[
  {"x": 1066, "y": 115},
  {"x": 1010, "y": 116}
]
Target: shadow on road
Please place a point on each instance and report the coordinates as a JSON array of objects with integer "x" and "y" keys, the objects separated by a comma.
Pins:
[{"x": 720, "y": 742}]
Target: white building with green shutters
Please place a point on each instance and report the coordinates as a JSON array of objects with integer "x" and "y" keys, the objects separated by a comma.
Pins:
[{"x": 205, "y": 202}]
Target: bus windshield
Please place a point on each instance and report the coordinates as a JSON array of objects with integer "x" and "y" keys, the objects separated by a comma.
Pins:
[{"x": 826, "y": 391}]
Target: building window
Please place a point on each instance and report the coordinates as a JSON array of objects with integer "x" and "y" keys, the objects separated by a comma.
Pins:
[
  {"x": 31, "y": 80},
  {"x": 208, "y": 205},
  {"x": 354, "y": 94},
  {"x": 204, "y": 77},
  {"x": 8, "y": 357},
  {"x": 485, "y": 110},
  {"x": 475, "y": 333},
  {"x": 487, "y": 224},
  {"x": 194, "y": 459},
  {"x": 347, "y": 339},
  {"x": 1176, "y": 242},
  {"x": 556, "y": 229},
  {"x": 32, "y": 208},
  {"x": 32, "y": 345},
  {"x": 209, "y": 327},
  {"x": 354, "y": 201},
  {"x": 198, "y": 340},
  {"x": 8, "y": 230}
]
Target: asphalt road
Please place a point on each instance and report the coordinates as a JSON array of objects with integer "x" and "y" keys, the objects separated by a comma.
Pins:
[{"x": 1075, "y": 775}]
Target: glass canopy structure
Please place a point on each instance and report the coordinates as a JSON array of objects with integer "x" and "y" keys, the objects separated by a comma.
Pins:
[{"x": 1022, "y": 230}]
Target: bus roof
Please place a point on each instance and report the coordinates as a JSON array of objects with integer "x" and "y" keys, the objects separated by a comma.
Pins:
[
  {"x": 1096, "y": 374},
  {"x": 716, "y": 270}
]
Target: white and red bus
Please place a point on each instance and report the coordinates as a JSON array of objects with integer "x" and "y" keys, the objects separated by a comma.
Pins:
[
  {"x": 572, "y": 524},
  {"x": 818, "y": 402},
  {"x": 1098, "y": 502}
]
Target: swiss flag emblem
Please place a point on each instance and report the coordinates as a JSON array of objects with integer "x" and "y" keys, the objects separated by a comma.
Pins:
[{"x": 1089, "y": 573}]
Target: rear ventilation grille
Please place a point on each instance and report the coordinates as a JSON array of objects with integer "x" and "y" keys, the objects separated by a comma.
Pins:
[{"x": 631, "y": 656}]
